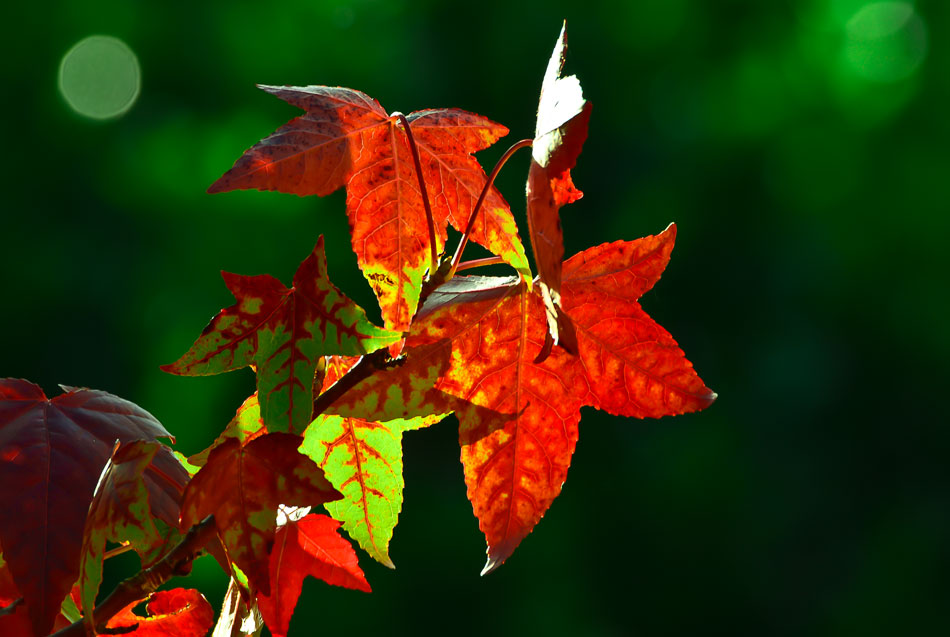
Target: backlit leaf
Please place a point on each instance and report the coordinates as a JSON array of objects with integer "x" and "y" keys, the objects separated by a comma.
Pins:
[
  {"x": 310, "y": 546},
  {"x": 283, "y": 332},
  {"x": 363, "y": 460},
  {"x": 347, "y": 139},
  {"x": 171, "y": 613},
  {"x": 242, "y": 486},
  {"x": 491, "y": 331},
  {"x": 563, "y": 114},
  {"x": 119, "y": 512}
]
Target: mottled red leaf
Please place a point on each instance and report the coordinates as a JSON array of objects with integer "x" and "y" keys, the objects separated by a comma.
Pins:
[
  {"x": 347, "y": 139},
  {"x": 492, "y": 331},
  {"x": 178, "y": 612},
  {"x": 310, "y": 546},
  {"x": 53, "y": 452},
  {"x": 246, "y": 425},
  {"x": 283, "y": 332},
  {"x": 242, "y": 487}
]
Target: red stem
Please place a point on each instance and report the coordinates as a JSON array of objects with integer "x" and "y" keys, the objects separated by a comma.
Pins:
[
  {"x": 478, "y": 263},
  {"x": 433, "y": 251},
  {"x": 524, "y": 143}
]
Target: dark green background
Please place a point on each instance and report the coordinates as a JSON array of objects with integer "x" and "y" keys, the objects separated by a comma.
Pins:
[{"x": 809, "y": 286}]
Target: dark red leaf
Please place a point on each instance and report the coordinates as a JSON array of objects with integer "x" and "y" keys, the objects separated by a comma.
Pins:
[
  {"x": 53, "y": 452},
  {"x": 242, "y": 486}
]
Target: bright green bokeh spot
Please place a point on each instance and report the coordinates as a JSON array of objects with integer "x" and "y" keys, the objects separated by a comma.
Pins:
[
  {"x": 885, "y": 41},
  {"x": 99, "y": 77}
]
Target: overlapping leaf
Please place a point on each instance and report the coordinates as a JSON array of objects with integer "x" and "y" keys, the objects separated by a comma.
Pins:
[
  {"x": 246, "y": 425},
  {"x": 283, "y": 332},
  {"x": 53, "y": 452},
  {"x": 178, "y": 611},
  {"x": 484, "y": 336},
  {"x": 119, "y": 512},
  {"x": 347, "y": 139},
  {"x": 309, "y": 546},
  {"x": 563, "y": 114},
  {"x": 242, "y": 487},
  {"x": 363, "y": 460}
]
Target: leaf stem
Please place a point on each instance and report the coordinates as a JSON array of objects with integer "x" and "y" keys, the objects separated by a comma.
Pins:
[
  {"x": 145, "y": 582},
  {"x": 433, "y": 250},
  {"x": 478, "y": 263},
  {"x": 524, "y": 143},
  {"x": 119, "y": 550}
]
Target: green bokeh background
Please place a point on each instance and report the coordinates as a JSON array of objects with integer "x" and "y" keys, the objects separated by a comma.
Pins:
[{"x": 802, "y": 151}]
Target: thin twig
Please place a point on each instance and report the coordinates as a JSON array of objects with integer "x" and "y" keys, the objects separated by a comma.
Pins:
[
  {"x": 145, "y": 582},
  {"x": 524, "y": 143},
  {"x": 430, "y": 220},
  {"x": 478, "y": 263},
  {"x": 119, "y": 550}
]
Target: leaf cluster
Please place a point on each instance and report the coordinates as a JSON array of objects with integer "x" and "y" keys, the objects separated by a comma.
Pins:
[{"x": 514, "y": 358}]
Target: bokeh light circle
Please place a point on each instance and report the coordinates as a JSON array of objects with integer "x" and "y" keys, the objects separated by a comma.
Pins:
[
  {"x": 885, "y": 41},
  {"x": 99, "y": 77}
]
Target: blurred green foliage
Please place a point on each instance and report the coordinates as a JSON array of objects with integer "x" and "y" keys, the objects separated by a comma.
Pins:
[{"x": 802, "y": 149}]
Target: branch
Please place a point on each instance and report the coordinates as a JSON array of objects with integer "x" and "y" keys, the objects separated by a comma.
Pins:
[
  {"x": 362, "y": 370},
  {"x": 145, "y": 582}
]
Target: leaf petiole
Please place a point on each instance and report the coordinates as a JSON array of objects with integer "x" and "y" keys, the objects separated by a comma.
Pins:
[
  {"x": 479, "y": 263},
  {"x": 433, "y": 250},
  {"x": 524, "y": 143}
]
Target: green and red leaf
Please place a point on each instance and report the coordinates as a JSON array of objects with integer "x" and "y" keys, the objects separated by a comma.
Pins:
[
  {"x": 491, "y": 331},
  {"x": 119, "y": 512},
  {"x": 347, "y": 139},
  {"x": 309, "y": 546},
  {"x": 53, "y": 452},
  {"x": 172, "y": 613},
  {"x": 246, "y": 425},
  {"x": 363, "y": 460},
  {"x": 242, "y": 486},
  {"x": 283, "y": 333}
]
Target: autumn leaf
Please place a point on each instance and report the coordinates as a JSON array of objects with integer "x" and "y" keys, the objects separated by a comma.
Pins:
[
  {"x": 119, "y": 512},
  {"x": 363, "y": 460},
  {"x": 309, "y": 546},
  {"x": 561, "y": 129},
  {"x": 283, "y": 332},
  {"x": 53, "y": 452},
  {"x": 246, "y": 425},
  {"x": 172, "y": 613},
  {"x": 492, "y": 330},
  {"x": 242, "y": 486},
  {"x": 347, "y": 139}
]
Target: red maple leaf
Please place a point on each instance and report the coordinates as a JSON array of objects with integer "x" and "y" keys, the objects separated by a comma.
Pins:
[
  {"x": 53, "y": 452},
  {"x": 309, "y": 546},
  {"x": 284, "y": 333},
  {"x": 242, "y": 486},
  {"x": 479, "y": 338},
  {"x": 172, "y": 613},
  {"x": 347, "y": 139}
]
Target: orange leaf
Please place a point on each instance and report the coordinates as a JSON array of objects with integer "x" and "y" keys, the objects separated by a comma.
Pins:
[{"x": 475, "y": 345}]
